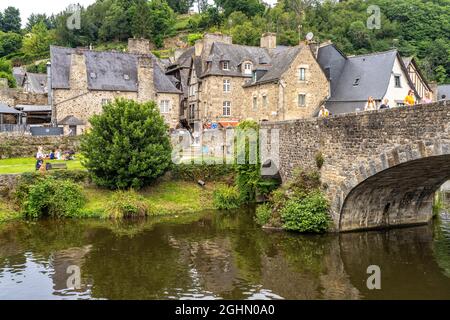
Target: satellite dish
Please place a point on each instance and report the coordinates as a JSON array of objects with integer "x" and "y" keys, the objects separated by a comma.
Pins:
[{"x": 309, "y": 36}]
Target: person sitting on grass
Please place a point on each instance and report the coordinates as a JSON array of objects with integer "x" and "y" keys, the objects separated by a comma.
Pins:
[
  {"x": 52, "y": 155},
  {"x": 39, "y": 163},
  {"x": 40, "y": 154}
]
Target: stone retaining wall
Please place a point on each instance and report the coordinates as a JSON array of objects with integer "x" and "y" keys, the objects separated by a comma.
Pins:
[{"x": 26, "y": 146}]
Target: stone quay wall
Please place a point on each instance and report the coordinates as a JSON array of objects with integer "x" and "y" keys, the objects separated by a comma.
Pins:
[{"x": 27, "y": 146}]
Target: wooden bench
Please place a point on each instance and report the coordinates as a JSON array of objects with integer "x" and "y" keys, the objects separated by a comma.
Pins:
[{"x": 57, "y": 166}]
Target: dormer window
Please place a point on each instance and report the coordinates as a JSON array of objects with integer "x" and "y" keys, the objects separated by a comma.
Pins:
[
  {"x": 247, "y": 68},
  {"x": 93, "y": 75},
  {"x": 225, "y": 65},
  {"x": 356, "y": 83},
  {"x": 126, "y": 77}
]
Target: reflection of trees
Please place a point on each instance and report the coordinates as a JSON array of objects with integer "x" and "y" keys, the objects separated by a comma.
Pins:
[{"x": 441, "y": 244}]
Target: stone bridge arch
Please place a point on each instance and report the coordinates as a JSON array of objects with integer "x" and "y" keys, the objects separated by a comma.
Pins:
[{"x": 393, "y": 188}]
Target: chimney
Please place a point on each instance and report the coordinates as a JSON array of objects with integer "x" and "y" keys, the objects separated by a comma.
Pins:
[
  {"x": 50, "y": 92},
  {"x": 269, "y": 40},
  {"x": 78, "y": 73},
  {"x": 145, "y": 72},
  {"x": 139, "y": 46}
]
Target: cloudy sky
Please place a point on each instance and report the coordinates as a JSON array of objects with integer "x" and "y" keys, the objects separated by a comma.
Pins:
[{"x": 27, "y": 7}]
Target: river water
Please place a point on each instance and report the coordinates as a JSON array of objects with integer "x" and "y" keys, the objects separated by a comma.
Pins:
[{"x": 216, "y": 255}]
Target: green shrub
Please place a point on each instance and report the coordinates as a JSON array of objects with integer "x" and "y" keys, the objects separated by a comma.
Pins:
[
  {"x": 319, "y": 160},
  {"x": 128, "y": 145},
  {"x": 226, "y": 198},
  {"x": 306, "y": 214},
  {"x": 126, "y": 204},
  {"x": 206, "y": 172},
  {"x": 49, "y": 197},
  {"x": 263, "y": 214},
  {"x": 193, "y": 37}
]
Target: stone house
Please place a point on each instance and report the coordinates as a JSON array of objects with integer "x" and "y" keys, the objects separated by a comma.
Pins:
[
  {"x": 82, "y": 81},
  {"x": 229, "y": 82},
  {"x": 354, "y": 78}
]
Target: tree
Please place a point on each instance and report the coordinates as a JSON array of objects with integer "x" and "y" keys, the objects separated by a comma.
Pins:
[
  {"x": 249, "y": 7},
  {"x": 37, "y": 43},
  {"x": 128, "y": 145},
  {"x": 140, "y": 19},
  {"x": 10, "y": 42},
  {"x": 162, "y": 20},
  {"x": 11, "y": 20},
  {"x": 34, "y": 19},
  {"x": 116, "y": 24},
  {"x": 180, "y": 6},
  {"x": 6, "y": 72}
]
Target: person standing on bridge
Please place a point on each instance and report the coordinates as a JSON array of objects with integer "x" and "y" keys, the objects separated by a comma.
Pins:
[
  {"x": 427, "y": 98},
  {"x": 410, "y": 100},
  {"x": 370, "y": 104},
  {"x": 324, "y": 112}
]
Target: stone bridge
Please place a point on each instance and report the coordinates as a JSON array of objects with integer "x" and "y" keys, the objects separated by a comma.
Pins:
[{"x": 381, "y": 168}]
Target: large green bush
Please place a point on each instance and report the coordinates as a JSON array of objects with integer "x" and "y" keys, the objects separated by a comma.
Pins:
[
  {"x": 306, "y": 214},
  {"x": 226, "y": 198},
  {"x": 128, "y": 145},
  {"x": 206, "y": 172},
  {"x": 263, "y": 214},
  {"x": 49, "y": 197}
]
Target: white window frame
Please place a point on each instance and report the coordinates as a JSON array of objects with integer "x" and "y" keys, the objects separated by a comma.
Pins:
[
  {"x": 106, "y": 101},
  {"x": 299, "y": 104},
  {"x": 226, "y": 110},
  {"x": 302, "y": 74},
  {"x": 226, "y": 85},
  {"x": 226, "y": 65},
  {"x": 164, "y": 106},
  {"x": 248, "y": 68}
]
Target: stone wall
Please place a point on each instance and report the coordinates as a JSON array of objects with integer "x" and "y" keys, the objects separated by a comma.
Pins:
[
  {"x": 365, "y": 150},
  {"x": 282, "y": 96},
  {"x": 7, "y": 183},
  {"x": 26, "y": 146},
  {"x": 14, "y": 97}
]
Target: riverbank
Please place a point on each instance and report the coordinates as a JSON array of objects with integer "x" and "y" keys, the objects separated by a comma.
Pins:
[{"x": 166, "y": 197}]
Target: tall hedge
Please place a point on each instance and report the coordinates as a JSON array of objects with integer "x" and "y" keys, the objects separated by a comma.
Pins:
[{"x": 127, "y": 146}]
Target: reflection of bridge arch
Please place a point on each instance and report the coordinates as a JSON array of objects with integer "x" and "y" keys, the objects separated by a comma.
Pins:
[{"x": 395, "y": 188}]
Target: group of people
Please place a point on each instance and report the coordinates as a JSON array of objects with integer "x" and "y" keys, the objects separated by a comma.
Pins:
[
  {"x": 41, "y": 157},
  {"x": 410, "y": 100}
]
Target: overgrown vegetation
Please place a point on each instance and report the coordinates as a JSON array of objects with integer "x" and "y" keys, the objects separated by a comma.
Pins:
[
  {"x": 299, "y": 206},
  {"x": 50, "y": 197},
  {"x": 203, "y": 171},
  {"x": 128, "y": 145},
  {"x": 227, "y": 198},
  {"x": 126, "y": 204}
]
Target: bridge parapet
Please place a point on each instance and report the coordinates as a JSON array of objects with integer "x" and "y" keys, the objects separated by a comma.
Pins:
[{"x": 381, "y": 167}]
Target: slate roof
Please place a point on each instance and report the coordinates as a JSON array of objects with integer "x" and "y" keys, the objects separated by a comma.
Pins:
[
  {"x": 19, "y": 74},
  {"x": 71, "y": 121},
  {"x": 443, "y": 90},
  {"x": 373, "y": 72},
  {"x": 5, "y": 109},
  {"x": 106, "y": 71},
  {"x": 36, "y": 82}
]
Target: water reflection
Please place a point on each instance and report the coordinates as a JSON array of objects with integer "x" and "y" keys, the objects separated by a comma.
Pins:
[{"x": 218, "y": 256}]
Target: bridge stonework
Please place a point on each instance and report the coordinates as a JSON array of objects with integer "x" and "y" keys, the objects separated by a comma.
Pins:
[{"x": 381, "y": 168}]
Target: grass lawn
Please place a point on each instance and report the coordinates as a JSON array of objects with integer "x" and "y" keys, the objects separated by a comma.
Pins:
[
  {"x": 164, "y": 198},
  {"x": 21, "y": 165}
]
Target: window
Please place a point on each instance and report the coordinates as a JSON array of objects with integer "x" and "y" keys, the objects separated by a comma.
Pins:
[
  {"x": 164, "y": 106},
  {"x": 254, "y": 78},
  {"x": 126, "y": 77},
  {"x": 398, "y": 83},
  {"x": 302, "y": 100},
  {"x": 356, "y": 83},
  {"x": 227, "y": 108},
  {"x": 191, "y": 111},
  {"x": 255, "y": 103},
  {"x": 192, "y": 90},
  {"x": 226, "y": 65},
  {"x": 226, "y": 85},
  {"x": 105, "y": 101},
  {"x": 93, "y": 75},
  {"x": 302, "y": 74},
  {"x": 264, "y": 99},
  {"x": 247, "y": 68}
]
